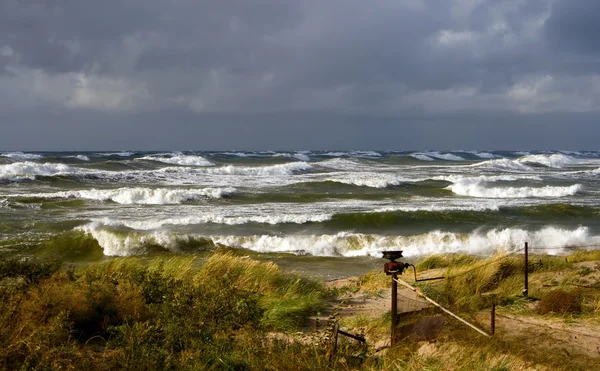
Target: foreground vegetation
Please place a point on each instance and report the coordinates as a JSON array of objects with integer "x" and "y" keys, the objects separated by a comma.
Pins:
[
  {"x": 162, "y": 315},
  {"x": 231, "y": 312},
  {"x": 564, "y": 296}
]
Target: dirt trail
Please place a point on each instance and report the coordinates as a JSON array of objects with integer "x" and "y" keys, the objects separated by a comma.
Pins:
[{"x": 573, "y": 338}]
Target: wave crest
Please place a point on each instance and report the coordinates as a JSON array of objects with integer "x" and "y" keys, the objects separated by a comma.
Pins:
[
  {"x": 31, "y": 169},
  {"x": 21, "y": 156},
  {"x": 141, "y": 196},
  {"x": 180, "y": 159},
  {"x": 477, "y": 188},
  {"x": 356, "y": 244}
]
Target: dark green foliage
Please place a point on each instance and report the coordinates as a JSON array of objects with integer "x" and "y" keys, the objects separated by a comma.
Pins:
[
  {"x": 30, "y": 269},
  {"x": 129, "y": 316}
]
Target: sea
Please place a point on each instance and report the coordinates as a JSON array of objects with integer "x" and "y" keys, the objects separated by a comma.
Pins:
[{"x": 301, "y": 205}]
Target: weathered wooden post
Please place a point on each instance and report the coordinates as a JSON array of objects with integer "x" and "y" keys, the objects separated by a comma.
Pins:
[
  {"x": 526, "y": 271},
  {"x": 493, "y": 319}
]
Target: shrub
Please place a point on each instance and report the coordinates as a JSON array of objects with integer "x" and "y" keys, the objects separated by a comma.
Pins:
[
  {"x": 32, "y": 270},
  {"x": 560, "y": 301}
]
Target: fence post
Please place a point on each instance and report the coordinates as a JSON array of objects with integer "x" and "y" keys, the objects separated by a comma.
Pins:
[
  {"x": 526, "y": 271},
  {"x": 394, "y": 308},
  {"x": 493, "y": 319}
]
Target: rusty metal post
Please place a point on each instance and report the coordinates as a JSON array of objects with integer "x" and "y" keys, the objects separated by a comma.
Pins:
[
  {"x": 493, "y": 319},
  {"x": 526, "y": 271},
  {"x": 394, "y": 307},
  {"x": 392, "y": 268}
]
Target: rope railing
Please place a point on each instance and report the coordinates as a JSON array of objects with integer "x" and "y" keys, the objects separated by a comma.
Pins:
[{"x": 420, "y": 293}]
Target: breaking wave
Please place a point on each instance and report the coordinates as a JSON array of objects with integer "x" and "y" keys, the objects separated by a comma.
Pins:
[
  {"x": 153, "y": 224},
  {"x": 422, "y": 157},
  {"x": 21, "y": 156},
  {"x": 350, "y": 244},
  {"x": 142, "y": 196},
  {"x": 365, "y": 154},
  {"x": 120, "y": 154},
  {"x": 478, "y": 188},
  {"x": 280, "y": 169},
  {"x": 503, "y": 164},
  {"x": 430, "y": 156},
  {"x": 31, "y": 169},
  {"x": 556, "y": 160},
  {"x": 180, "y": 159}
]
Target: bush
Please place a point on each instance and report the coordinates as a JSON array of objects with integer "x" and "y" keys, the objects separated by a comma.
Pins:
[
  {"x": 32, "y": 270},
  {"x": 154, "y": 316},
  {"x": 560, "y": 301}
]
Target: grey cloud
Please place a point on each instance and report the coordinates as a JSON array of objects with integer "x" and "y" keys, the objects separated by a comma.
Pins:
[{"x": 328, "y": 61}]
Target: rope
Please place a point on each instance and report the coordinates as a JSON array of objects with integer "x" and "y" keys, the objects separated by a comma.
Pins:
[{"x": 439, "y": 306}]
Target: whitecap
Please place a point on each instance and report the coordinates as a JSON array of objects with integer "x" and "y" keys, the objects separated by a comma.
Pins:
[
  {"x": 142, "y": 196},
  {"x": 180, "y": 159},
  {"x": 478, "y": 188},
  {"x": 22, "y": 156}
]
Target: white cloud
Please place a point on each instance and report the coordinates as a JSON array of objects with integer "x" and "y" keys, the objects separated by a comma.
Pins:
[
  {"x": 73, "y": 90},
  {"x": 105, "y": 93}
]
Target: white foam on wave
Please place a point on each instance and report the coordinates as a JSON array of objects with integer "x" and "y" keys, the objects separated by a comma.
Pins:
[
  {"x": 478, "y": 188},
  {"x": 82, "y": 157},
  {"x": 279, "y": 169},
  {"x": 153, "y": 224},
  {"x": 486, "y": 178},
  {"x": 554, "y": 240},
  {"x": 120, "y": 154},
  {"x": 485, "y": 155},
  {"x": 31, "y": 169},
  {"x": 436, "y": 242},
  {"x": 297, "y": 156},
  {"x": 22, "y": 156},
  {"x": 373, "y": 180},
  {"x": 180, "y": 159},
  {"x": 440, "y": 207},
  {"x": 116, "y": 244},
  {"x": 236, "y": 154},
  {"x": 141, "y": 196},
  {"x": 438, "y": 155},
  {"x": 557, "y": 160},
  {"x": 576, "y": 153},
  {"x": 422, "y": 157},
  {"x": 341, "y": 164},
  {"x": 503, "y": 164},
  {"x": 365, "y": 154}
]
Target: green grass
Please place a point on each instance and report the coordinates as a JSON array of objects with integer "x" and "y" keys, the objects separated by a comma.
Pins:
[
  {"x": 225, "y": 311},
  {"x": 162, "y": 313}
]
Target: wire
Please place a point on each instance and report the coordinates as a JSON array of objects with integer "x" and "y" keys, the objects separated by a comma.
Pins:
[
  {"x": 569, "y": 247},
  {"x": 411, "y": 299},
  {"x": 548, "y": 327},
  {"x": 479, "y": 267}
]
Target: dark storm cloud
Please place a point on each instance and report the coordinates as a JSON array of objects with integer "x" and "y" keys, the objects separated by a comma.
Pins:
[
  {"x": 574, "y": 26},
  {"x": 276, "y": 65}
]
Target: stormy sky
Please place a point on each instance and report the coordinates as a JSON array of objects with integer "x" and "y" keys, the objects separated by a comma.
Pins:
[{"x": 299, "y": 74}]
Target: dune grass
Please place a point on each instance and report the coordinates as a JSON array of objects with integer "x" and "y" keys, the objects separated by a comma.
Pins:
[
  {"x": 226, "y": 311},
  {"x": 174, "y": 313}
]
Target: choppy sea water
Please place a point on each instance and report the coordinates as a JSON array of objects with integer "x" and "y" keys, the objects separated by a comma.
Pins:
[{"x": 309, "y": 203}]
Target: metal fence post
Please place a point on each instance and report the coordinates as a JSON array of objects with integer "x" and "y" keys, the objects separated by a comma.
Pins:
[{"x": 526, "y": 271}]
